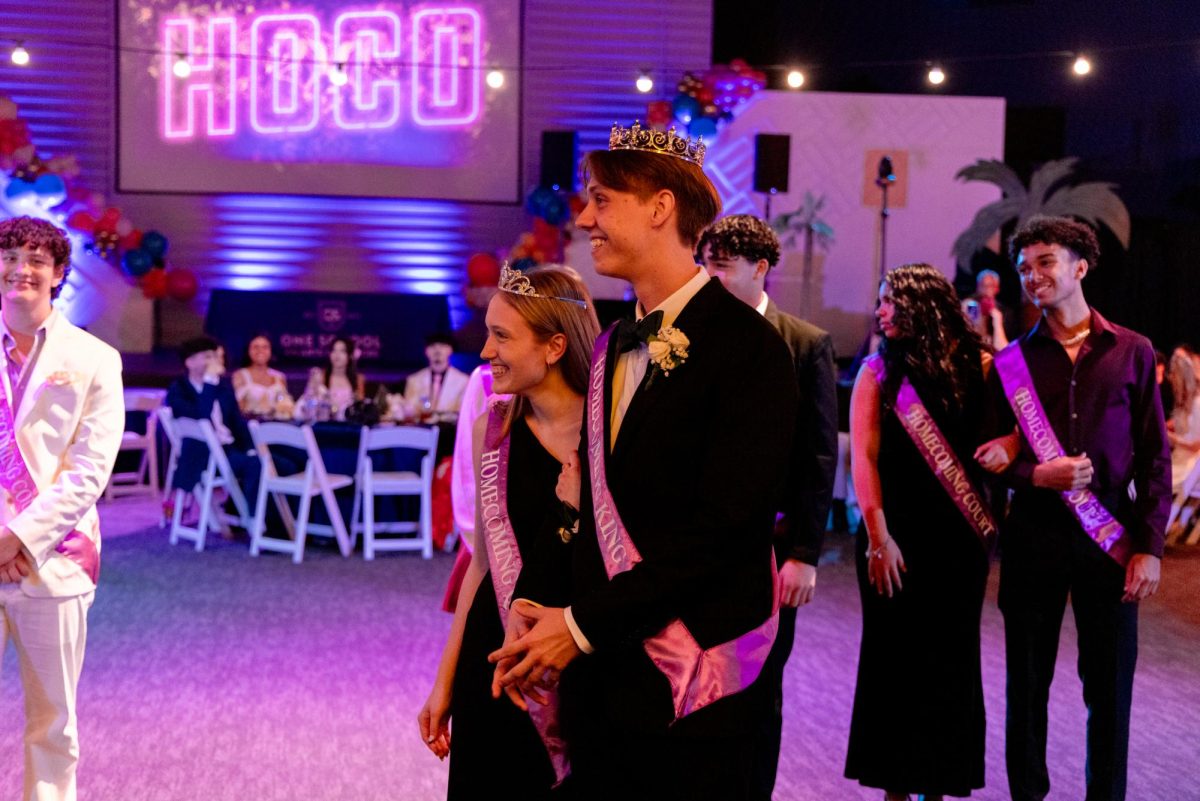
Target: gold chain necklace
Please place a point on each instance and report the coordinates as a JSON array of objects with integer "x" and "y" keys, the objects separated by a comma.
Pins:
[{"x": 1071, "y": 342}]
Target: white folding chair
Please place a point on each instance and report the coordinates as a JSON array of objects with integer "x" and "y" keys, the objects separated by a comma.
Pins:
[
  {"x": 371, "y": 483},
  {"x": 166, "y": 421},
  {"x": 143, "y": 480},
  {"x": 1179, "y": 524},
  {"x": 313, "y": 481},
  {"x": 217, "y": 474}
]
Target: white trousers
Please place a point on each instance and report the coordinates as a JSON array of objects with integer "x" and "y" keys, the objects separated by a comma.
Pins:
[{"x": 49, "y": 635}]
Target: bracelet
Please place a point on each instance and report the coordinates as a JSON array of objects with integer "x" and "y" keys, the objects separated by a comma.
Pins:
[{"x": 877, "y": 553}]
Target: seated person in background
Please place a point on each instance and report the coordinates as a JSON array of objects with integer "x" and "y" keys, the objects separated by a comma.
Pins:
[
  {"x": 985, "y": 312},
  {"x": 437, "y": 389},
  {"x": 261, "y": 390},
  {"x": 201, "y": 395},
  {"x": 338, "y": 382},
  {"x": 1183, "y": 424}
]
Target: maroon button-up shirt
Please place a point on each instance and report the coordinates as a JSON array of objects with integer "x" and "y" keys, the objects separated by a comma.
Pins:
[{"x": 1106, "y": 405}]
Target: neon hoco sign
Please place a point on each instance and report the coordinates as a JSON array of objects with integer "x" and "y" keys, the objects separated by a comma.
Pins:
[{"x": 277, "y": 75}]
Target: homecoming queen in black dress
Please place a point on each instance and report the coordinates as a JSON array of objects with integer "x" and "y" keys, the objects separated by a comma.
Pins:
[
  {"x": 918, "y": 721},
  {"x": 541, "y": 329}
]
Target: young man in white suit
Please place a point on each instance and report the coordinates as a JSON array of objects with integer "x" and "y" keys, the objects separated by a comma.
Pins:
[
  {"x": 61, "y": 420},
  {"x": 441, "y": 385}
]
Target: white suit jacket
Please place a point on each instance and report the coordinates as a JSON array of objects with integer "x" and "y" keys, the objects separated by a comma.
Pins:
[
  {"x": 454, "y": 384},
  {"x": 68, "y": 430}
]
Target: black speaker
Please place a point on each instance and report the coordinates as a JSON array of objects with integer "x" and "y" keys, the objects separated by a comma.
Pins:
[
  {"x": 772, "y": 153},
  {"x": 560, "y": 160}
]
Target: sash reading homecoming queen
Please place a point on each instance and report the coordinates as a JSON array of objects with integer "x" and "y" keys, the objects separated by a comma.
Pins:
[
  {"x": 697, "y": 676},
  {"x": 1098, "y": 523},
  {"x": 939, "y": 455},
  {"x": 504, "y": 563},
  {"x": 16, "y": 480}
]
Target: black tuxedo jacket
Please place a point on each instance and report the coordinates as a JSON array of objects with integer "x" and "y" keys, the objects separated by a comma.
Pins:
[
  {"x": 809, "y": 490},
  {"x": 696, "y": 474}
]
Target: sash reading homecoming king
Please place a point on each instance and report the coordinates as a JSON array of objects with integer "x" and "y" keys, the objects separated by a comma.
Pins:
[
  {"x": 16, "y": 480},
  {"x": 697, "y": 676},
  {"x": 504, "y": 562},
  {"x": 1097, "y": 522},
  {"x": 940, "y": 456}
]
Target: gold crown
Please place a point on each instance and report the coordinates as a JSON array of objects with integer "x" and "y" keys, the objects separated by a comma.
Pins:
[
  {"x": 516, "y": 283},
  {"x": 668, "y": 143}
]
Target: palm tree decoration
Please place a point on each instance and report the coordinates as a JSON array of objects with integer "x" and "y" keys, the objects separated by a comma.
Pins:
[
  {"x": 816, "y": 231},
  {"x": 1049, "y": 193}
]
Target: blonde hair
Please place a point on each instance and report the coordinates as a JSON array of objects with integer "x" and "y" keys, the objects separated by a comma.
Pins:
[
  {"x": 556, "y": 314},
  {"x": 1181, "y": 372}
]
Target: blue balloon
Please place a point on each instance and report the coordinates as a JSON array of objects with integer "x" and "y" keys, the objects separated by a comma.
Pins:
[
  {"x": 703, "y": 126},
  {"x": 686, "y": 108},
  {"x": 137, "y": 262},
  {"x": 556, "y": 210},
  {"x": 155, "y": 244}
]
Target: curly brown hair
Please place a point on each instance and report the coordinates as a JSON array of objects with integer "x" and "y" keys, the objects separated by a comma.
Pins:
[
  {"x": 1077, "y": 237},
  {"x": 30, "y": 232},
  {"x": 741, "y": 236},
  {"x": 936, "y": 347}
]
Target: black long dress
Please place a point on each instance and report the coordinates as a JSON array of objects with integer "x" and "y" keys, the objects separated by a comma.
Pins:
[
  {"x": 918, "y": 720},
  {"x": 495, "y": 749}
]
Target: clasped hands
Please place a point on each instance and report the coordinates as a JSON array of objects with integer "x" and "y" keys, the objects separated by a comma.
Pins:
[
  {"x": 1064, "y": 474},
  {"x": 538, "y": 646},
  {"x": 14, "y": 565}
]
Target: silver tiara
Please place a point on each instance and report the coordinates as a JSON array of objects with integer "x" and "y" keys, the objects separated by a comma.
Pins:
[{"x": 516, "y": 282}]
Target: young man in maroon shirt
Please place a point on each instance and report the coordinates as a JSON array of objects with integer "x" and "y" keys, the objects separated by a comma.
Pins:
[{"x": 1096, "y": 382}]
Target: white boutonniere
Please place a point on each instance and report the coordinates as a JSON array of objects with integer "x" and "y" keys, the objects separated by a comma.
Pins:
[
  {"x": 668, "y": 350},
  {"x": 61, "y": 378}
]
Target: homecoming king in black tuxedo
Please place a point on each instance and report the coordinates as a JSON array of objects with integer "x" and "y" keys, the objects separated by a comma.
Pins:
[{"x": 686, "y": 439}]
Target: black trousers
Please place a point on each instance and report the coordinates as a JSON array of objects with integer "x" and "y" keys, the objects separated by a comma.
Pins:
[
  {"x": 768, "y": 729},
  {"x": 1041, "y": 566}
]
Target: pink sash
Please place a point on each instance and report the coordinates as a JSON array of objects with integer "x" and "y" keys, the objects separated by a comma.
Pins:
[
  {"x": 504, "y": 562},
  {"x": 940, "y": 456},
  {"x": 697, "y": 676},
  {"x": 1098, "y": 523},
  {"x": 16, "y": 480}
]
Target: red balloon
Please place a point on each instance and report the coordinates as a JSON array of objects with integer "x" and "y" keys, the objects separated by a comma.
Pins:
[
  {"x": 704, "y": 95},
  {"x": 131, "y": 240},
  {"x": 483, "y": 270},
  {"x": 181, "y": 284},
  {"x": 154, "y": 284},
  {"x": 82, "y": 221}
]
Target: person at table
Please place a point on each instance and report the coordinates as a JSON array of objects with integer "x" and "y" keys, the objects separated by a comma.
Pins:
[
  {"x": 259, "y": 388},
  {"x": 200, "y": 394},
  {"x": 438, "y": 389},
  {"x": 541, "y": 329},
  {"x": 338, "y": 382},
  {"x": 918, "y": 720}
]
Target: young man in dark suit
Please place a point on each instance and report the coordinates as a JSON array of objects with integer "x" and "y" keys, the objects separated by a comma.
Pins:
[
  {"x": 739, "y": 251},
  {"x": 200, "y": 394},
  {"x": 687, "y": 440}
]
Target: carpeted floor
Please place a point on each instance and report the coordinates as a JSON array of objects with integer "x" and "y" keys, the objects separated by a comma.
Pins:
[{"x": 215, "y": 676}]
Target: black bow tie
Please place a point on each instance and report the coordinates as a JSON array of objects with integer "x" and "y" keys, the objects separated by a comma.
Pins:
[{"x": 631, "y": 334}]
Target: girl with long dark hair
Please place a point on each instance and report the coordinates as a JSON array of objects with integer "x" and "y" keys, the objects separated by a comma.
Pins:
[{"x": 923, "y": 549}]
